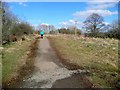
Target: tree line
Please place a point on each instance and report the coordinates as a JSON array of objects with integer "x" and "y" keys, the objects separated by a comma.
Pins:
[
  {"x": 13, "y": 28},
  {"x": 94, "y": 26},
  {"x": 69, "y": 30}
]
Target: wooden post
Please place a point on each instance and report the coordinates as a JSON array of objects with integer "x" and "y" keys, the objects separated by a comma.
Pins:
[{"x": 1, "y": 15}]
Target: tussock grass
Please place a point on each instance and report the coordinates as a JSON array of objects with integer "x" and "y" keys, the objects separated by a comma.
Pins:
[{"x": 98, "y": 55}]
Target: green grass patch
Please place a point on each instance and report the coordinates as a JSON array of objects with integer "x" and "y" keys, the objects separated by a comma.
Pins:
[
  {"x": 12, "y": 55},
  {"x": 0, "y": 68}
]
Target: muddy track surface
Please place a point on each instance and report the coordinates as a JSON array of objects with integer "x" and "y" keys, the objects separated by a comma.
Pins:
[{"x": 49, "y": 72}]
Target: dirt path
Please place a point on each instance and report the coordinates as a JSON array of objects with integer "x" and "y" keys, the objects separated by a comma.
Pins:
[{"x": 49, "y": 71}]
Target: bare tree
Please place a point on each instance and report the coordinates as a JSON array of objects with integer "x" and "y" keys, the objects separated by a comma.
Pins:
[
  {"x": 94, "y": 23},
  {"x": 114, "y": 24},
  {"x": 44, "y": 27},
  {"x": 51, "y": 27},
  {"x": 71, "y": 27}
]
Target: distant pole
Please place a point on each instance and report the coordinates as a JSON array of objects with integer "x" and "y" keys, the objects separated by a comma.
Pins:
[
  {"x": 75, "y": 27},
  {"x": 49, "y": 29}
]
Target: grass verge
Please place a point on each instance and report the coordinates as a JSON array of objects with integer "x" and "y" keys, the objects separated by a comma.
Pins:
[
  {"x": 17, "y": 60},
  {"x": 100, "y": 56}
]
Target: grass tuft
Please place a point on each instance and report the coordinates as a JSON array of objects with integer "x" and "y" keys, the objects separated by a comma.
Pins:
[{"x": 98, "y": 55}]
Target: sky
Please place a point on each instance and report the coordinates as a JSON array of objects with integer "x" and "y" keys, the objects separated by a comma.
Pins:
[{"x": 62, "y": 14}]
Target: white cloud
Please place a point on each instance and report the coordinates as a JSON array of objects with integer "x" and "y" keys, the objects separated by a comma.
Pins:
[
  {"x": 46, "y": 24},
  {"x": 63, "y": 23},
  {"x": 84, "y": 14},
  {"x": 71, "y": 23},
  {"x": 94, "y": 6},
  {"x": 22, "y": 4},
  {"x": 97, "y": 6},
  {"x": 101, "y": 5},
  {"x": 80, "y": 23},
  {"x": 35, "y": 25},
  {"x": 101, "y": 1},
  {"x": 106, "y": 23}
]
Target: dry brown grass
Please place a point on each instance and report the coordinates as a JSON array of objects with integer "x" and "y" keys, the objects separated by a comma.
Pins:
[{"x": 100, "y": 56}]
